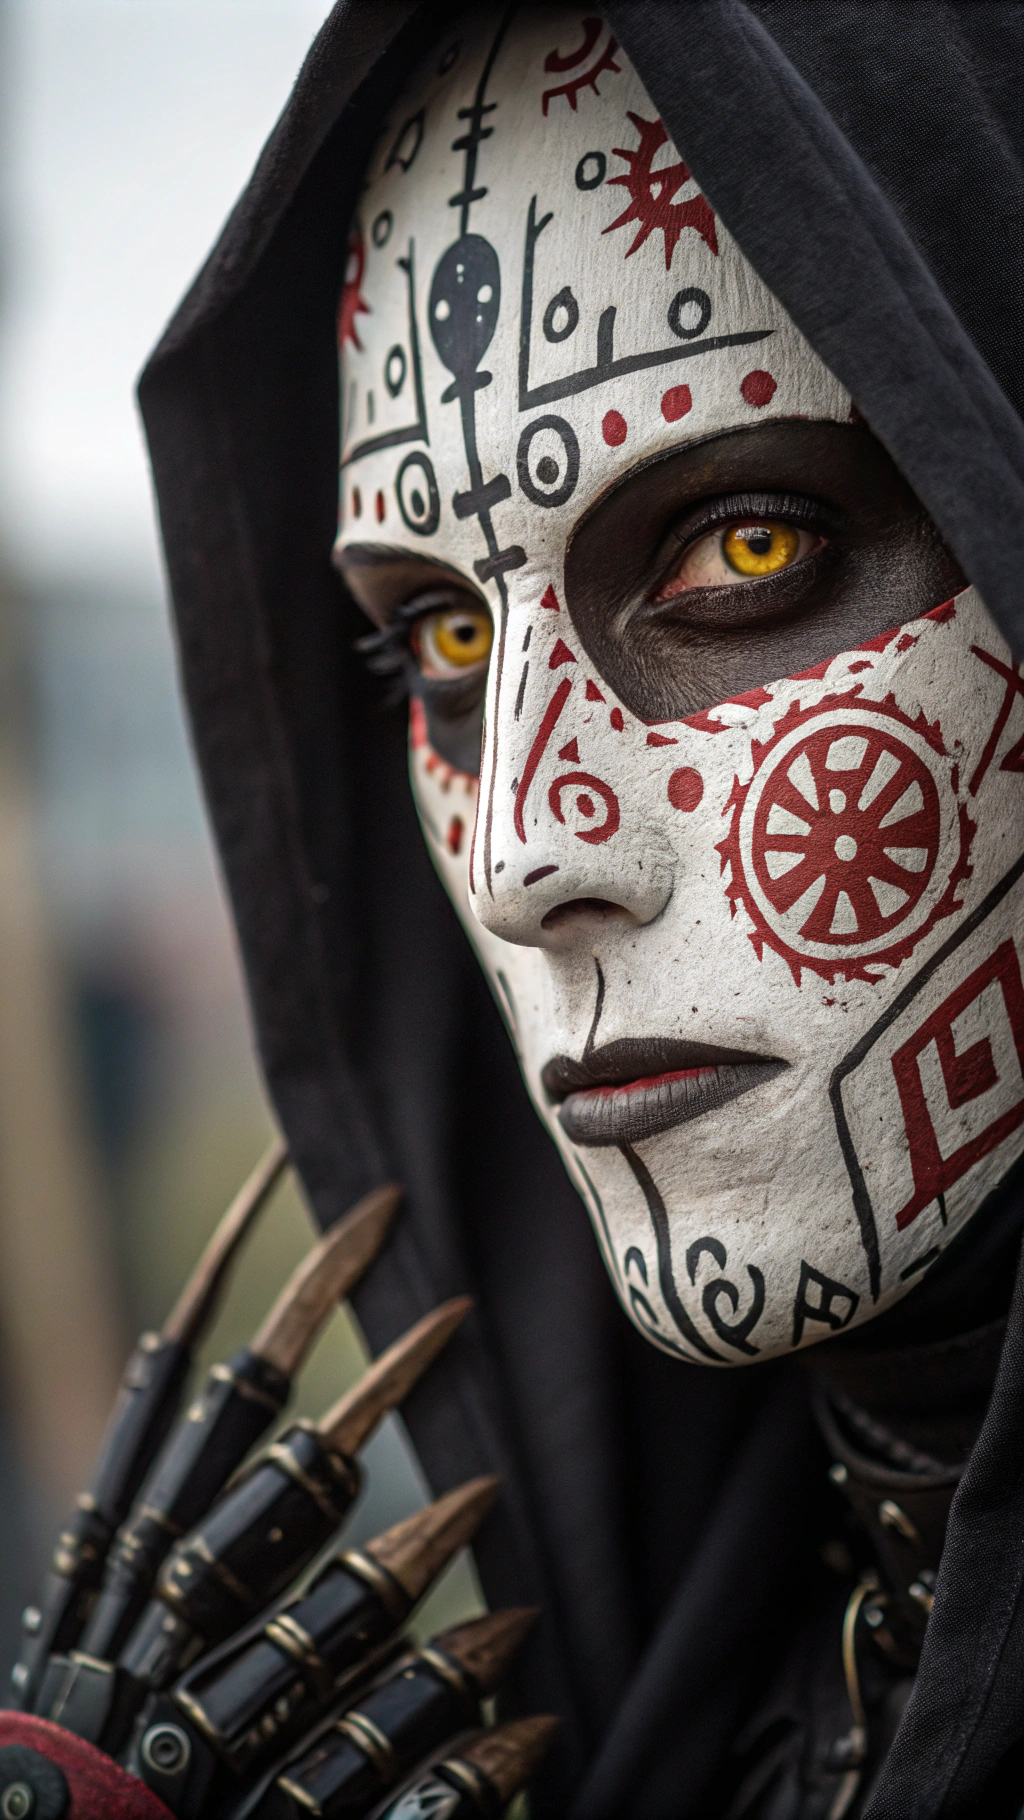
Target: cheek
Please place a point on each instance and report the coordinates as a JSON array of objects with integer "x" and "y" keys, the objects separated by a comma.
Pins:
[{"x": 446, "y": 801}]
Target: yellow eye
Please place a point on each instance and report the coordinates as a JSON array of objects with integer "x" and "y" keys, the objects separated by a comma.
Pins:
[
  {"x": 454, "y": 640},
  {"x": 760, "y": 548}
]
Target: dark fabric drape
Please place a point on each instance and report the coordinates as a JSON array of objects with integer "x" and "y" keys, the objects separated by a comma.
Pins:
[{"x": 866, "y": 156}]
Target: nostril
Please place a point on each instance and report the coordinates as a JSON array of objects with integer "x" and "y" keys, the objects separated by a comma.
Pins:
[{"x": 583, "y": 909}]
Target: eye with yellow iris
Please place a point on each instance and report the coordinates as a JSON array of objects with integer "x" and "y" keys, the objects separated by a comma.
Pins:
[
  {"x": 743, "y": 550},
  {"x": 453, "y": 641}
]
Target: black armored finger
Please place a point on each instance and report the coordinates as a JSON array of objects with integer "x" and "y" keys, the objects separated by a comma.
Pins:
[
  {"x": 145, "y": 1408},
  {"x": 481, "y": 1777},
  {"x": 275, "y": 1517},
  {"x": 425, "y": 1699},
  {"x": 254, "y": 1703},
  {"x": 235, "y": 1408}
]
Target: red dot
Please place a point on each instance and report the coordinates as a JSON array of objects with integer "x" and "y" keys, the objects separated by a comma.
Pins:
[
  {"x": 685, "y": 789},
  {"x": 616, "y": 719},
  {"x": 676, "y": 402},
  {"x": 758, "y": 388},
  {"x": 380, "y": 508},
  {"x": 613, "y": 429},
  {"x": 456, "y": 829},
  {"x": 357, "y": 503},
  {"x": 585, "y": 805}
]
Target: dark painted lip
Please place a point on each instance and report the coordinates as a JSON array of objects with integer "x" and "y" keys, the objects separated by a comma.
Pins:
[{"x": 639, "y": 1086}]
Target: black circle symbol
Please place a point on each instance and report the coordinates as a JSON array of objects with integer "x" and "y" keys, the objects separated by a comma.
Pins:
[
  {"x": 690, "y": 299},
  {"x": 465, "y": 297},
  {"x": 557, "y": 478},
  {"x": 564, "y": 304},
  {"x": 421, "y": 515},
  {"x": 447, "y": 59},
  {"x": 380, "y": 232},
  {"x": 584, "y": 179},
  {"x": 395, "y": 367}
]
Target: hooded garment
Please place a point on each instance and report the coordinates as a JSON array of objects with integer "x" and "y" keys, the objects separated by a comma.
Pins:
[{"x": 866, "y": 155}]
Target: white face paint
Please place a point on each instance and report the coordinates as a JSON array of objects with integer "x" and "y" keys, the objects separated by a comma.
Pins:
[{"x": 790, "y": 959}]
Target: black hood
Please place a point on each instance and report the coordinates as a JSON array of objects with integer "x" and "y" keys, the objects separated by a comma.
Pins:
[{"x": 867, "y": 158}]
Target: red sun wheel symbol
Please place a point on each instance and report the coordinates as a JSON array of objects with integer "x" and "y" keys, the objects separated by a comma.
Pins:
[
  {"x": 652, "y": 193},
  {"x": 848, "y": 844}
]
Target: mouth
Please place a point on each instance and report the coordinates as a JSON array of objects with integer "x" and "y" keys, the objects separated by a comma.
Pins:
[{"x": 639, "y": 1086}]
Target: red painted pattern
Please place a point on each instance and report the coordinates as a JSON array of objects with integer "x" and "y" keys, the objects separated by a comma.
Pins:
[
  {"x": 967, "y": 1077},
  {"x": 536, "y": 753},
  {"x": 652, "y": 203},
  {"x": 583, "y": 781}
]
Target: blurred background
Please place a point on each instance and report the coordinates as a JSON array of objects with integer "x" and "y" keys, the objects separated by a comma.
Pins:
[{"x": 130, "y": 1105}]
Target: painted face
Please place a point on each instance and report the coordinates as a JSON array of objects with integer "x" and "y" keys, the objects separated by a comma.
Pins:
[{"x": 719, "y": 760}]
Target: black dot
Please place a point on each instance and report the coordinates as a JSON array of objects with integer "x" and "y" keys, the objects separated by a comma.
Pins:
[
  {"x": 547, "y": 470},
  {"x": 417, "y": 502}
]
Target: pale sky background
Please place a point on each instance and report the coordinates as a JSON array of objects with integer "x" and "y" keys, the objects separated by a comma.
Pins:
[{"x": 131, "y": 126}]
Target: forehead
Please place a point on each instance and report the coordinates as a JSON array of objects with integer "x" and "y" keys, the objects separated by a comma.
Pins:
[{"x": 538, "y": 297}]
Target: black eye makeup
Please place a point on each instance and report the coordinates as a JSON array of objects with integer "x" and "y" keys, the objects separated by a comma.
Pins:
[
  {"x": 436, "y": 645},
  {"x": 728, "y": 564}
]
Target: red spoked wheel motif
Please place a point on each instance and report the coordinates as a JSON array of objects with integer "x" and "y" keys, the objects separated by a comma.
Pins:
[
  {"x": 849, "y": 830},
  {"x": 848, "y": 844}
]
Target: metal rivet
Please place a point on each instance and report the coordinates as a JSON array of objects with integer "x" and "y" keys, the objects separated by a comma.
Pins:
[
  {"x": 838, "y": 1473},
  {"x": 31, "y": 1619},
  {"x": 17, "y": 1801},
  {"x": 19, "y": 1675},
  {"x": 873, "y": 1617},
  {"x": 892, "y": 1516},
  {"x": 166, "y": 1749},
  {"x": 922, "y": 1595}
]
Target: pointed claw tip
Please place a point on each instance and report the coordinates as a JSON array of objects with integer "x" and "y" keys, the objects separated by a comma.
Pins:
[{"x": 510, "y": 1754}]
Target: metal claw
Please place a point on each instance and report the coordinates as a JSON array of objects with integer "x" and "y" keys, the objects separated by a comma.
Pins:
[
  {"x": 349, "y": 1423},
  {"x": 324, "y": 1278}
]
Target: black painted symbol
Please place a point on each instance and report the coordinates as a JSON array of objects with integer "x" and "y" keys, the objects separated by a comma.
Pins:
[
  {"x": 408, "y": 142},
  {"x": 606, "y": 366},
  {"x": 481, "y": 308},
  {"x": 681, "y": 313},
  {"x": 834, "y": 1305},
  {"x": 590, "y": 171},
  {"x": 416, "y": 491},
  {"x": 561, "y": 316},
  {"x": 465, "y": 298},
  {"x": 549, "y": 479},
  {"x": 666, "y": 1274},
  {"x": 380, "y": 232},
  {"x": 395, "y": 369},
  {"x": 410, "y": 432},
  {"x": 634, "y": 1259},
  {"x": 734, "y": 1332}
]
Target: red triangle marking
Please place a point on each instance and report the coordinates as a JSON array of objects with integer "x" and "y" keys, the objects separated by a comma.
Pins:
[
  {"x": 549, "y": 599},
  {"x": 593, "y": 692},
  {"x": 560, "y": 655},
  {"x": 658, "y": 739},
  {"x": 571, "y": 753}
]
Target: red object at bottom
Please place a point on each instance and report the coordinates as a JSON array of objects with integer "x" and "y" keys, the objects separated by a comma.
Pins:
[{"x": 100, "y": 1789}]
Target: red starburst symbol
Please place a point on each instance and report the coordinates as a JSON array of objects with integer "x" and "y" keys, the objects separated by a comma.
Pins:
[
  {"x": 352, "y": 301},
  {"x": 652, "y": 193},
  {"x": 848, "y": 844}
]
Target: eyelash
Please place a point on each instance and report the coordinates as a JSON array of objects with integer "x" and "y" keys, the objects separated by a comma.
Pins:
[
  {"x": 788, "y": 508},
  {"x": 389, "y": 652}
]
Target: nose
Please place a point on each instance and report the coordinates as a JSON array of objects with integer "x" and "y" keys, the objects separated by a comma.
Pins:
[{"x": 566, "y": 842}]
